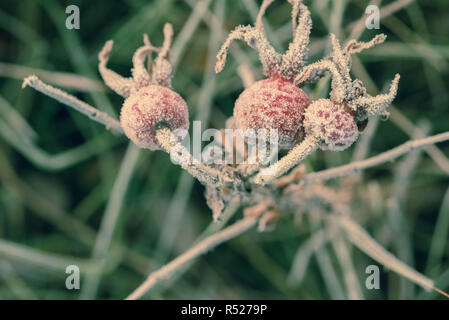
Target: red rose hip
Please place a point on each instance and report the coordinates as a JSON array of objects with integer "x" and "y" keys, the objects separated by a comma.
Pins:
[
  {"x": 150, "y": 106},
  {"x": 332, "y": 123},
  {"x": 273, "y": 103}
]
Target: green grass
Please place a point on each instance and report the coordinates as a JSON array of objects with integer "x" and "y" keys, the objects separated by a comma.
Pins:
[{"x": 72, "y": 193}]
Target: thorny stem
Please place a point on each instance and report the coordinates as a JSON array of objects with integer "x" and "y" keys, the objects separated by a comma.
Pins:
[
  {"x": 203, "y": 173},
  {"x": 374, "y": 161},
  {"x": 361, "y": 239},
  {"x": 293, "y": 157},
  {"x": 202, "y": 247},
  {"x": 71, "y": 101}
]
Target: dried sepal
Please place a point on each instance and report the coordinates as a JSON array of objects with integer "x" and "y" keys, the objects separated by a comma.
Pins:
[
  {"x": 295, "y": 11},
  {"x": 339, "y": 84},
  {"x": 293, "y": 60},
  {"x": 293, "y": 158},
  {"x": 162, "y": 69},
  {"x": 368, "y": 106},
  {"x": 285, "y": 66},
  {"x": 139, "y": 71},
  {"x": 121, "y": 85},
  {"x": 343, "y": 61},
  {"x": 343, "y": 64},
  {"x": 354, "y": 46},
  {"x": 341, "y": 57},
  {"x": 257, "y": 40}
]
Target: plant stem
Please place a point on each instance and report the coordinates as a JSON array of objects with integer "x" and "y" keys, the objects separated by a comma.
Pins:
[
  {"x": 179, "y": 153},
  {"x": 71, "y": 101},
  {"x": 361, "y": 239},
  {"x": 202, "y": 247},
  {"x": 374, "y": 161},
  {"x": 295, "y": 156}
]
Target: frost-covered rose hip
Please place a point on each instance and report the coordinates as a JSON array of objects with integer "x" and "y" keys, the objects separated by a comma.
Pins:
[
  {"x": 332, "y": 123},
  {"x": 274, "y": 103},
  {"x": 152, "y": 112},
  {"x": 150, "y": 103}
]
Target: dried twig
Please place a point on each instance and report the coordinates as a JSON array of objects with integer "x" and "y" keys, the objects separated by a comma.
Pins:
[
  {"x": 361, "y": 239},
  {"x": 202, "y": 247},
  {"x": 374, "y": 161},
  {"x": 71, "y": 101},
  {"x": 295, "y": 156}
]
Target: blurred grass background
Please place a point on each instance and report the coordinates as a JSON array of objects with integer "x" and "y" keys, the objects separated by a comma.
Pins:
[{"x": 72, "y": 193}]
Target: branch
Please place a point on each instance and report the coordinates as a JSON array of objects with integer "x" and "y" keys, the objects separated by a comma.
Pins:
[
  {"x": 201, "y": 248},
  {"x": 71, "y": 101},
  {"x": 202, "y": 172},
  {"x": 376, "y": 160},
  {"x": 291, "y": 159},
  {"x": 102, "y": 247},
  {"x": 62, "y": 79},
  {"x": 361, "y": 239}
]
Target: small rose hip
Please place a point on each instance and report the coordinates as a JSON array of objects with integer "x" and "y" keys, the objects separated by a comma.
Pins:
[
  {"x": 152, "y": 105},
  {"x": 332, "y": 123}
]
